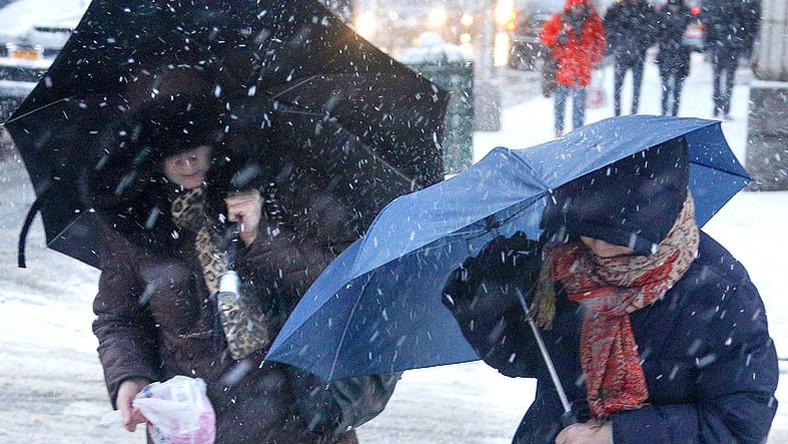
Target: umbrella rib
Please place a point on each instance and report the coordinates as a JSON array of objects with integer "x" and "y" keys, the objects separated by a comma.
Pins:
[
  {"x": 531, "y": 170},
  {"x": 295, "y": 85},
  {"x": 65, "y": 229},
  {"x": 747, "y": 178},
  {"x": 396, "y": 170},
  {"x": 457, "y": 232},
  {"x": 347, "y": 326},
  {"x": 36, "y": 110}
]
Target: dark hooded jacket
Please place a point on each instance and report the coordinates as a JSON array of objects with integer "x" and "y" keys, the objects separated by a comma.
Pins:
[
  {"x": 709, "y": 363},
  {"x": 630, "y": 28},
  {"x": 673, "y": 56},
  {"x": 731, "y": 26}
]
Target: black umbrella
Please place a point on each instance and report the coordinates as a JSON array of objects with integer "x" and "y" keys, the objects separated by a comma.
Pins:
[{"x": 288, "y": 72}]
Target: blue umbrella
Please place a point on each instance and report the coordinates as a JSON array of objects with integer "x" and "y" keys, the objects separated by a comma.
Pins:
[{"x": 377, "y": 308}]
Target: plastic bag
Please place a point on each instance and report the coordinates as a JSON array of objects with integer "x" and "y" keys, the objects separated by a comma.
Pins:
[
  {"x": 178, "y": 411},
  {"x": 595, "y": 95}
]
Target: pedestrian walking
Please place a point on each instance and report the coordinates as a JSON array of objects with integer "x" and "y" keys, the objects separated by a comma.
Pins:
[
  {"x": 673, "y": 57},
  {"x": 630, "y": 27},
  {"x": 731, "y": 29},
  {"x": 576, "y": 38},
  {"x": 655, "y": 330},
  {"x": 167, "y": 193}
]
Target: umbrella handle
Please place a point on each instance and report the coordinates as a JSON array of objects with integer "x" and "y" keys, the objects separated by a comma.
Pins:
[
  {"x": 31, "y": 214},
  {"x": 568, "y": 413},
  {"x": 568, "y": 418}
]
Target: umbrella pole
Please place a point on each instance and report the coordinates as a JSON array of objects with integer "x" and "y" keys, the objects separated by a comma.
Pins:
[{"x": 568, "y": 418}]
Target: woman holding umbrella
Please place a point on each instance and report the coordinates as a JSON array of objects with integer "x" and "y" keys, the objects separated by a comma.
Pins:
[
  {"x": 166, "y": 194},
  {"x": 655, "y": 330}
]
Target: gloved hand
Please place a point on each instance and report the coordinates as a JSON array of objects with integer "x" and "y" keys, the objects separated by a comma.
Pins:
[{"x": 485, "y": 285}]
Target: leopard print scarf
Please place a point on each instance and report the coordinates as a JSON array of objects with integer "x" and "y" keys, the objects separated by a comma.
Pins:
[{"x": 243, "y": 319}]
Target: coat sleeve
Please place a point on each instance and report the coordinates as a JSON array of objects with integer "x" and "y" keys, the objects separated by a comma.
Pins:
[
  {"x": 652, "y": 26},
  {"x": 612, "y": 26},
  {"x": 752, "y": 23},
  {"x": 128, "y": 341},
  {"x": 482, "y": 296},
  {"x": 550, "y": 30},
  {"x": 288, "y": 258},
  {"x": 737, "y": 378},
  {"x": 710, "y": 19},
  {"x": 596, "y": 36}
]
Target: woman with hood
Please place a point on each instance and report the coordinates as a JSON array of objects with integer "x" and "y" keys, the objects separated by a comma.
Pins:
[
  {"x": 166, "y": 195},
  {"x": 656, "y": 331},
  {"x": 576, "y": 38}
]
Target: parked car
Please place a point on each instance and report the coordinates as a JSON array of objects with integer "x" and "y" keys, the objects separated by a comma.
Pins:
[
  {"x": 32, "y": 32},
  {"x": 526, "y": 46}
]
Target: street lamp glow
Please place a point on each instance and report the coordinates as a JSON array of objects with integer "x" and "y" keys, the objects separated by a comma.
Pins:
[
  {"x": 437, "y": 17},
  {"x": 501, "y": 49},
  {"x": 504, "y": 11},
  {"x": 466, "y": 19},
  {"x": 366, "y": 25}
]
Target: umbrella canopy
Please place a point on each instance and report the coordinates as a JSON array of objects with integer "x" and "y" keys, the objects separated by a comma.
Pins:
[
  {"x": 289, "y": 74},
  {"x": 377, "y": 308}
]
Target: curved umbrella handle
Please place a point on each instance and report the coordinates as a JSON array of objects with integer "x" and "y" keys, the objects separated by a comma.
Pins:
[{"x": 31, "y": 214}]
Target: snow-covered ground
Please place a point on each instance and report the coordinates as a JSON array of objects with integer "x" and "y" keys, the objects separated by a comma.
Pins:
[{"x": 51, "y": 388}]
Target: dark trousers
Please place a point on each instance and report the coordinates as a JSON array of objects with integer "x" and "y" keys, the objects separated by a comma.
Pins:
[
  {"x": 578, "y": 106},
  {"x": 672, "y": 83},
  {"x": 725, "y": 65},
  {"x": 621, "y": 68}
]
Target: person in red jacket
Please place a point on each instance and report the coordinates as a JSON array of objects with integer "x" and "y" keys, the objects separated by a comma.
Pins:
[{"x": 577, "y": 40}]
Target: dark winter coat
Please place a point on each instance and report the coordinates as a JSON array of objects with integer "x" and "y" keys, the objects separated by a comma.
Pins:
[
  {"x": 710, "y": 365},
  {"x": 630, "y": 28},
  {"x": 155, "y": 320},
  {"x": 577, "y": 50},
  {"x": 673, "y": 57},
  {"x": 731, "y": 26}
]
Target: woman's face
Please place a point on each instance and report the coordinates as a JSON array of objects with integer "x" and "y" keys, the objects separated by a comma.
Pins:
[
  {"x": 577, "y": 9},
  {"x": 604, "y": 249},
  {"x": 188, "y": 169}
]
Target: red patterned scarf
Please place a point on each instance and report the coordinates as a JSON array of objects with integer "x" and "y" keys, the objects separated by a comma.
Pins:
[{"x": 609, "y": 289}]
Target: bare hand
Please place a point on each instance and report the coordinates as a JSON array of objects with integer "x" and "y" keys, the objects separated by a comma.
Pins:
[
  {"x": 586, "y": 433},
  {"x": 126, "y": 393},
  {"x": 246, "y": 209}
]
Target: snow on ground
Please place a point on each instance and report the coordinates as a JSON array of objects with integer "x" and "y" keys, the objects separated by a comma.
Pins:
[{"x": 51, "y": 387}]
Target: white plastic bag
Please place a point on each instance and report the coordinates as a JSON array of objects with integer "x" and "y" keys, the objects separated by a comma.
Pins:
[{"x": 178, "y": 411}]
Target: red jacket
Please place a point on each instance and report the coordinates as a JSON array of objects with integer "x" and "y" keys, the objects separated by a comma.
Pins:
[{"x": 576, "y": 56}]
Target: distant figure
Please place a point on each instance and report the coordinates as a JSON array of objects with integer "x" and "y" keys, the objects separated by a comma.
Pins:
[
  {"x": 731, "y": 29},
  {"x": 674, "y": 56},
  {"x": 630, "y": 28},
  {"x": 577, "y": 40}
]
